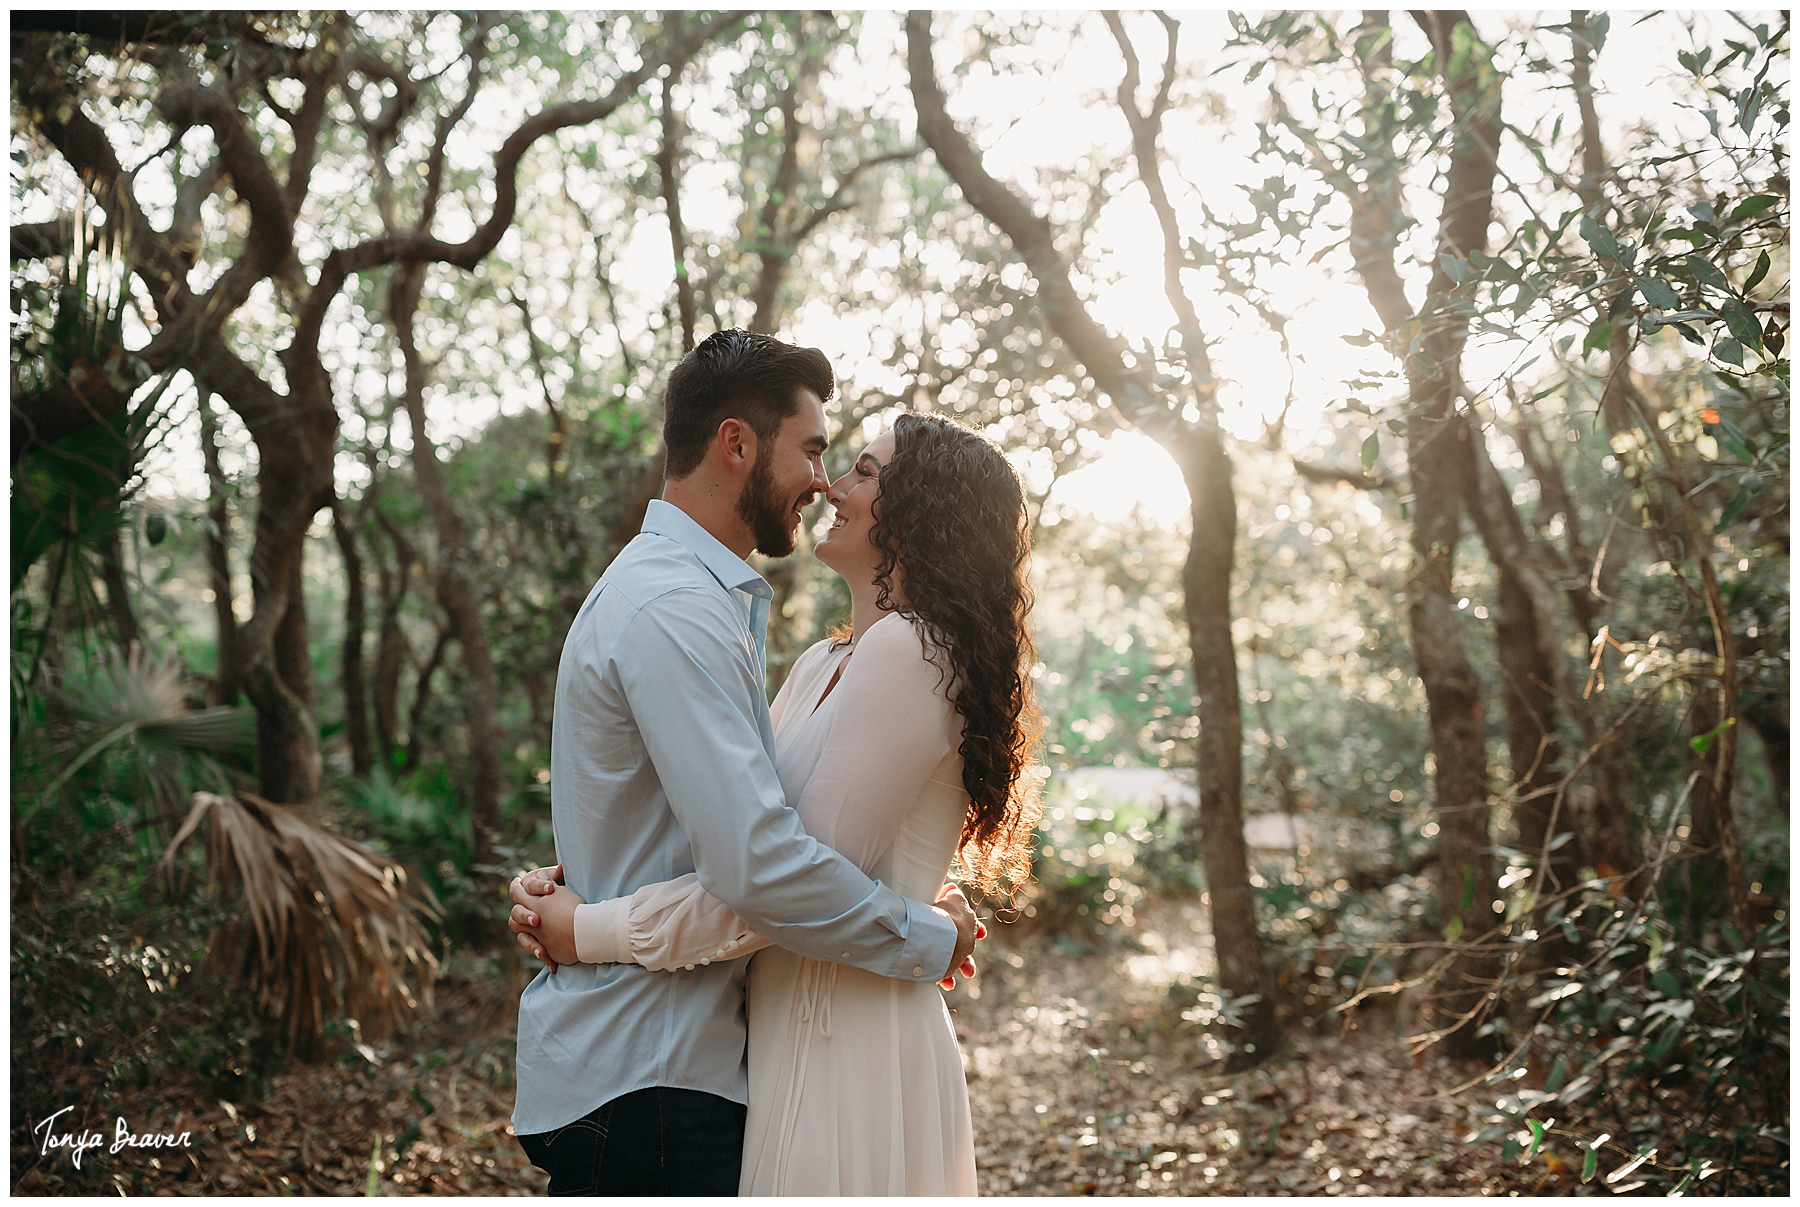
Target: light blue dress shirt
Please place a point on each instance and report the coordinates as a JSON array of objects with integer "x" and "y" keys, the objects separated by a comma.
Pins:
[{"x": 662, "y": 762}]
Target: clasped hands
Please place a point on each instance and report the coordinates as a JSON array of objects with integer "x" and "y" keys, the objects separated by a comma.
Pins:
[{"x": 543, "y": 917}]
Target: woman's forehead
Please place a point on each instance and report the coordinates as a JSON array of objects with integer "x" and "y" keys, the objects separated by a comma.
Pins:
[{"x": 881, "y": 448}]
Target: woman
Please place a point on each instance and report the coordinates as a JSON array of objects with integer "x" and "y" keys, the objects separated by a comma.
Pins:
[{"x": 902, "y": 744}]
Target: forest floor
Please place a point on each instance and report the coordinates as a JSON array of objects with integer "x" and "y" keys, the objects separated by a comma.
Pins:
[{"x": 1082, "y": 1079}]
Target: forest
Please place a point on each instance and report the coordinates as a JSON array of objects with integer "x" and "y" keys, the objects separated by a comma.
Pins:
[{"x": 1403, "y": 411}]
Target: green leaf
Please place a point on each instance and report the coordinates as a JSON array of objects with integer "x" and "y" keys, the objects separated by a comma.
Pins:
[
  {"x": 1737, "y": 442},
  {"x": 1602, "y": 241},
  {"x": 1759, "y": 272},
  {"x": 1457, "y": 270},
  {"x": 1537, "y": 1138},
  {"x": 1371, "y": 451},
  {"x": 1659, "y": 1050},
  {"x": 1590, "y": 1163},
  {"x": 1597, "y": 27},
  {"x": 1706, "y": 274},
  {"x": 1700, "y": 743},
  {"x": 1729, "y": 351},
  {"x": 1742, "y": 323},
  {"x": 1454, "y": 930},
  {"x": 1599, "y": 335},
  {"x": 1749, "y": 207},
  {"x": 1749, "y": 104},
  {"x": 1659, "y": 294}
]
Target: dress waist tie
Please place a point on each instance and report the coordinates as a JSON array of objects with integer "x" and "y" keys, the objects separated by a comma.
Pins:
[{"x": 812, "y": 1002}]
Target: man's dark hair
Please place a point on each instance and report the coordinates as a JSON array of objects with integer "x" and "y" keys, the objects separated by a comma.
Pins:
[{"x": 736, "y": 375}]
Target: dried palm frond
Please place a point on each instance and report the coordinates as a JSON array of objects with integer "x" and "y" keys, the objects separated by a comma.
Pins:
[{"x": 332, "y": 926}]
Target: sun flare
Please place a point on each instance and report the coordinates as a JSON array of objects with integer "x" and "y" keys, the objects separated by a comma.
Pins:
[{"x": 1132, "y": 471}]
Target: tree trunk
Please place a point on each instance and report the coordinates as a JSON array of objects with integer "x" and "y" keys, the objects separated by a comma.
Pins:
[
  {"x": 392, "y": 651},
  {"x": 774, "y": 242},
  {"x": 1714, "y": 720},
  {"x": 218, "y": 558},
  {"x": 1453, "y": 696},
  {"x": 1767, "y": 715},
  {"x": 1607, "y": 829},
  {"x": 1435, "y": 453},
  {"x": 1525, "y": 640},
  {"x": 1435, "y": 436},
  {"x": 356, "y": 706},
  {"x": 454, "y": 592},
  {"x": 118, "y": 595},
  {"x": 1199, "y": 450},
  {"x": 415, "y": 723},
  {"x": 1219, "y": 751},
  {"x": 668, "y": 164},
  {"x": 288, "y": 761},
  {"x": 296, "y": 437}
]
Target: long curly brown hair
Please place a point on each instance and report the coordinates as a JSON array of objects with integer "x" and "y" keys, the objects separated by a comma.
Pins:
[{"x": 954, "y": 543}]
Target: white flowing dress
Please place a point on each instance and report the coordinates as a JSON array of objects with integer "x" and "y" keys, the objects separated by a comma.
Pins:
[{"x": 856, "y": 1081}]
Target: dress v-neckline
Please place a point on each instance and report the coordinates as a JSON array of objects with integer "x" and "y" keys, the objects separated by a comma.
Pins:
[
  {"x": 831, "y": 686},
  {"x": 838, "y": 673}
]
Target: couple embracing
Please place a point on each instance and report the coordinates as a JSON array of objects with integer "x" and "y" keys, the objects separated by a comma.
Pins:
[{"x": 750, "y": 925}]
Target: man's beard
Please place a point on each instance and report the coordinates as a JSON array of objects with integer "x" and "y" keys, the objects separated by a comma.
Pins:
[{"x": 766, "y": 511}]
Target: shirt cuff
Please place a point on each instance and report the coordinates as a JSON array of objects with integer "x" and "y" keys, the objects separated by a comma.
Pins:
[
  {"x": 930, "y": 942},
  {"x": 603, "y": 932}
]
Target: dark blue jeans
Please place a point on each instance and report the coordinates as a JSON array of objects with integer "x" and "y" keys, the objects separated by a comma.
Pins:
[{"x": 655, "y": 1141}]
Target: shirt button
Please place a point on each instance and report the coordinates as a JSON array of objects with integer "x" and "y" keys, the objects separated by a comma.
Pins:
[
  {"x": 690, "y": 968},
  {"x": 846, "y": 955},
  {"x": 706, "y": 960},
  {"x": 918, "y": 972}
]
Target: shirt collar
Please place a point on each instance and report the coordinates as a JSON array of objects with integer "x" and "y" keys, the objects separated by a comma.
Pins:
[{"x": 665, "y": 519}]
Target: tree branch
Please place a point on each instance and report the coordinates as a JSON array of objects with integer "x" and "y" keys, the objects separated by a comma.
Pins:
[
  {"x": 1331, "y": 475},
  {"x": 841, "y": 198},
  {"x": 39, "y": 240},
  {"x": 1034, "y": 240},
  {"x": 340, "y": 264},
  {"x": 668, "y": 166}
]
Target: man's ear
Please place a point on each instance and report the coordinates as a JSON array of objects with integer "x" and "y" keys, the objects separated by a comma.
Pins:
[{"x": 736, "y": 442}]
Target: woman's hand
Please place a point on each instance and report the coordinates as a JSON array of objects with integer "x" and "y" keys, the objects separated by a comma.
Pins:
[
  {"x": 543, "y": 915},
  {"x": 951, "y": 900}
]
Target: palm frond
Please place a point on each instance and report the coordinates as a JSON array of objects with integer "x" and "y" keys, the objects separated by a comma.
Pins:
[
  {"x": 223, "y": 728},
  {"x": 334, "y": 929},
  {"x": 143, "y": 694}
]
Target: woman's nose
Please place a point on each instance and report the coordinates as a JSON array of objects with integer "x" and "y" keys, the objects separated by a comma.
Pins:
[{"x": 834, "y": 493}]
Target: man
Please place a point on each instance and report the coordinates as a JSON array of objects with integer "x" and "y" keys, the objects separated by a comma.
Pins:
[{"x": 662, "y": 763}]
